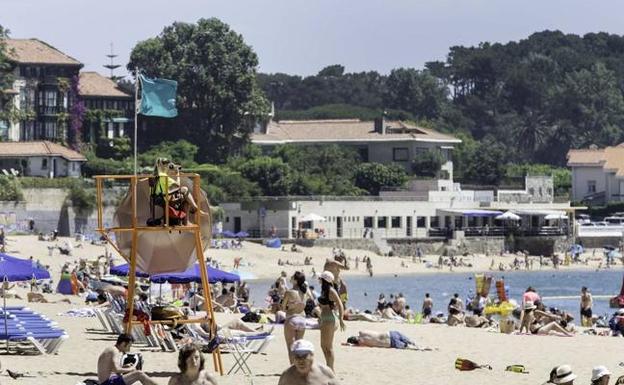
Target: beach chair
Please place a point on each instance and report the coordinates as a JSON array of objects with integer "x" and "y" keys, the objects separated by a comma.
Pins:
[{"x": 242, "y": 348}]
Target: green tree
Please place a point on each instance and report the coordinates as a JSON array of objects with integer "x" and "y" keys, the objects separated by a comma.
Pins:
[
  {"x": 273, "y": 177},
  {"x": 428, "y": 163},
  {"x": 181, "y": 152},
  {"x": 5, "y": 65},
  {"x": 218, "y": 98},
  {"x": 10, "y": 189},
  {"x": 373, "y": 176},
  {"x": 487, "y": 163},
  {"x": 415, "y": 91}
]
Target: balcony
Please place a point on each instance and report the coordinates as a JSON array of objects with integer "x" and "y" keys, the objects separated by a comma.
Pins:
[{"x": 50, "y": 110}]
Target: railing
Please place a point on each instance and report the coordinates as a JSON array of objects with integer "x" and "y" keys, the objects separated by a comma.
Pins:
[
  {"x": 497, "y": 231},
  {"x": 50, "y": 110}
]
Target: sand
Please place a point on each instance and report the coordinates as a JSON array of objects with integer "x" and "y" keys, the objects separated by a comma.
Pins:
[{"x": 77, "y": 357}]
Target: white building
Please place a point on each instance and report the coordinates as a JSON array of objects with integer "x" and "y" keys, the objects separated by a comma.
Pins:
[
  {"x": 597, "y": 174},
  {"x": 45, "y": 159},
  {"x": 380, "y": 141},
  {"x": 430, "y": 213}
]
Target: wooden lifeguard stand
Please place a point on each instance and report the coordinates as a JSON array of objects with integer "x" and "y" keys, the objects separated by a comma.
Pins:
[{"x": 137, "y": 228}]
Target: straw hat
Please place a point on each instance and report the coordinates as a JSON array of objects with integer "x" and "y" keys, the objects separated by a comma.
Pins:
[
  {"x": 327, "y": 276},
  {"x": 598, "y": 372},
  {"x": 529, "y": 305},
  {"x": 564, "y": 374}
]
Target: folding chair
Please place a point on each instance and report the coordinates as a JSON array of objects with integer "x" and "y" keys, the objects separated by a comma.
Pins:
[{"x": 242, "y": 348}]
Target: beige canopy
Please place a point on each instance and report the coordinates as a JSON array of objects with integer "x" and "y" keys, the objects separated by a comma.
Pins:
[{"x": 161, "y": 251}]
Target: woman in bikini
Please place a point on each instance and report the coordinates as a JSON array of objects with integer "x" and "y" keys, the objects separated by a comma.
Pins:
[
  {"x": 294, "y": 305},
  {"x": 329, "y": 301},
  {"x": 530, "y": 323}
]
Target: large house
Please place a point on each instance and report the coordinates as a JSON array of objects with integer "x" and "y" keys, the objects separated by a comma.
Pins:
[
  {"x": 41, "y": 90},
  {"x": 42, "y": 158},
  {"x": 380, "y": 141},
  {"x": 597, "y": 174},
  {"x": 101, "y": 93}
]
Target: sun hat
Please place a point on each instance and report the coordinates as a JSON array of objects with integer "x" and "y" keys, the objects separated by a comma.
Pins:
[
  {"x": 564, "y": 374},
  {"x": 529, "y": 305},
  {"x": 599, "y": 371},
  {"x": 327, "y": 276},
  {"x": 302, "y": 346}
]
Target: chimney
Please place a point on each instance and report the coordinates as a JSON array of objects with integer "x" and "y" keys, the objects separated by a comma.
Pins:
[{"x": 380, "y": 127}]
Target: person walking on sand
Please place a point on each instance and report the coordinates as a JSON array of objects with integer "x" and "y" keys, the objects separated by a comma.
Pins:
[
  {"x": 109, "y": 370},
  {"x": 329, "y": 301},
  {"x": 304, "y": 371},
  {"x": 586, "y": 307},
  {"x": 191, "y": 363}
]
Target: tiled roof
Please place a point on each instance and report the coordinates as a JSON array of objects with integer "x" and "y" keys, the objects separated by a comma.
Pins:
[
  {"x": 586, "y": 157},
  {"x": 94, "y": 84},
  {"x": 611, "y": 159},
  {"x": 36, "y": 52},
  {"x": 345, "y": 130},
  {"x": 43, "y": 148}
]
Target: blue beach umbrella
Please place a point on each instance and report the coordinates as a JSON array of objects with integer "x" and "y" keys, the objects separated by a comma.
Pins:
[
  {"x": 124, "y": 270},
  {"x": 193, "y": 274}
]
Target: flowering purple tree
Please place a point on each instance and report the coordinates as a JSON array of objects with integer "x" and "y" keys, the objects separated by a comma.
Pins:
[{"x": 76, "y": 112}]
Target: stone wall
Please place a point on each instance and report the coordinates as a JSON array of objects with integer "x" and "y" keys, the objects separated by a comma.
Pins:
[
  {"x": 598, "y": 242},
  {"x": 360, "y": 244}
]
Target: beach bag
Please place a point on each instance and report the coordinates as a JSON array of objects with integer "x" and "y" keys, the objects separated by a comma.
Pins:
[
  {"x": 517, "y": 369},
  {"x": 507, "y": 326},
  {"x": 251, "y": 317},
  {"x": 166, "y": 313},
  {"x": 467, "y": 365}
]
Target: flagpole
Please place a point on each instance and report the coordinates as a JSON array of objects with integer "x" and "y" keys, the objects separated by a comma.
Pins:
[{"x": 136, "y": 115}]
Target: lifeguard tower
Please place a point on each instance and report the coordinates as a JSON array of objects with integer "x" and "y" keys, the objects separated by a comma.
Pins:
[{"x": 169, "y": 246}]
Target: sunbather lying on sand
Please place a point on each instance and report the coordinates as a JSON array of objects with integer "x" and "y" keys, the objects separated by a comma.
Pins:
[{"x": 391, "y": 339}]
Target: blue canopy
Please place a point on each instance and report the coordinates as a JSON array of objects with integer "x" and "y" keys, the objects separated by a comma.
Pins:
[
  {"x": 228, "y": 234},
  {"x": 191, "y": 274},
  {"x": 124, "y": 270},
  {"x": 16, "y": 269},
  {"x": 274, "y": 243},
  {"x": 242, "y": 234}
]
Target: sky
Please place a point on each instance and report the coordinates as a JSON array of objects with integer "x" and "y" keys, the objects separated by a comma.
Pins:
[{"x": 303, "y": 36}]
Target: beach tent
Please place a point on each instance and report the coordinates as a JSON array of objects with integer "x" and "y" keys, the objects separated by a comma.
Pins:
[
  {"x": 194, "y": 275},
  {"x": 274, "y": 243},
  {"x": 508, "y": 216},
  {"x": 14, "y": 269},
  {"x": 68, "y": 284},
  {"x": 191, "y": 274},
  {"x": 312, "y": 218},
  {"x": 124, "y": 269}
]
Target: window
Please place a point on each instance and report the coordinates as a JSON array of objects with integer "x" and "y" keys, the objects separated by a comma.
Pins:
[
  {"x": 434, "y": 222},
  {"x": 368, "y": 222},
  {"x": 50, "y": 98},
  {"x": 44, "y": 164},
  {"x": 227, "y": 219},
  {"x": 395, "y": 222},
  {"x": 420, "y": 222},
  {"x": 591, "y": 186},
  {"x": 382, "y": 222},
  {"x": 400, "y": 154},
  {"x": 50, "y": 130}
]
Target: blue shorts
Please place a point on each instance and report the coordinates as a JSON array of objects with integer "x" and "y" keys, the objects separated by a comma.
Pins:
[
  {"x": 399, "y": 340},
  {"x": 114, "y": 380}
]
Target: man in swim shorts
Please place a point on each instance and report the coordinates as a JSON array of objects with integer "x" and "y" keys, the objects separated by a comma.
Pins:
[
  {"x": 111, "y": 373},
  {"x": 392, "y": 339}
]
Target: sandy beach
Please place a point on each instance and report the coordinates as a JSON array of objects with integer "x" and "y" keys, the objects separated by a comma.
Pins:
[{"x": 77, "y": 357}]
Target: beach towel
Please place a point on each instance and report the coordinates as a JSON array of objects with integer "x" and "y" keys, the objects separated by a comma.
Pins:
[{"x": 467, "y": 365}]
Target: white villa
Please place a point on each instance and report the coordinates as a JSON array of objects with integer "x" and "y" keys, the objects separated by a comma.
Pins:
[{"x": 597, "y": 174}]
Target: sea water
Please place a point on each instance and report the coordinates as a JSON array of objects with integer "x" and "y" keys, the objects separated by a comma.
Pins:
[{"x": 364, "y": 291}]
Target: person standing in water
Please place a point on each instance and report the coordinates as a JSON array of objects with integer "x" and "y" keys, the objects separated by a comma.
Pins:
[
  {"x": 586, "y": 307},
  {"x": 329, "y": 301}
]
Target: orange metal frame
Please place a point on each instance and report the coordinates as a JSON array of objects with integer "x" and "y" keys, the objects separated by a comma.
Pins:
[{"x": 136, "y": 229}]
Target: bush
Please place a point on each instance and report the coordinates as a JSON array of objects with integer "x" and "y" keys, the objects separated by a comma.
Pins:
[
  {"x": 373, "y": 176},
  {"x": 10, "y": 189},
  {"x": 428, "y": 163},
  {"x": 35, "y": 182},
  {"x": 82, "y": 199},
  {"x": 101, "y": 166}
]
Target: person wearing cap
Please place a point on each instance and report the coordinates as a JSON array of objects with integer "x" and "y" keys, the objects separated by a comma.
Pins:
[
  {"x": 304, "y": 371},
  {"x": 329, "y": 301},
  {"x": 564, "y": 375},
  {"x": 600, "y": 375}
]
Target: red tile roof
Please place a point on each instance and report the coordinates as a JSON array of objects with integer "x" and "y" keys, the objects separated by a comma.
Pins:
[
  {"x": 43, "y": 148},
  {"x": 94, "y": 84},
  {"x": 35, "y": 51}
]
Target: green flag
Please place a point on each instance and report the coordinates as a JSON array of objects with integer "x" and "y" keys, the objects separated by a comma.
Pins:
[{"x": 158, "y": 97}]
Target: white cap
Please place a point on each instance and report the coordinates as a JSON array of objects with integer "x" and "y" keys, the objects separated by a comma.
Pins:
[
  {"x": 564, "y": 374},
  {"x": 302, "y": 346},
  {"x": 327, "y": 276},
  {"x": 599, "y": 371}
]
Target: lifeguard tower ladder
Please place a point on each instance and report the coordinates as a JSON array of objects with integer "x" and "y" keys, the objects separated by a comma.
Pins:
[{"x": 136, "y": 228}]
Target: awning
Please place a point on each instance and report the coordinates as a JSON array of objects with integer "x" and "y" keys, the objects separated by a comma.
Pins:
[
  {"x": 471, "y": 213},
  {"x": 549, "y": 214},
  {"x": 312, "y": 218}
]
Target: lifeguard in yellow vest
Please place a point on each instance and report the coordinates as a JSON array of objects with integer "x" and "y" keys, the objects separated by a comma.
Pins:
[{"x": 166, "y": 189}]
